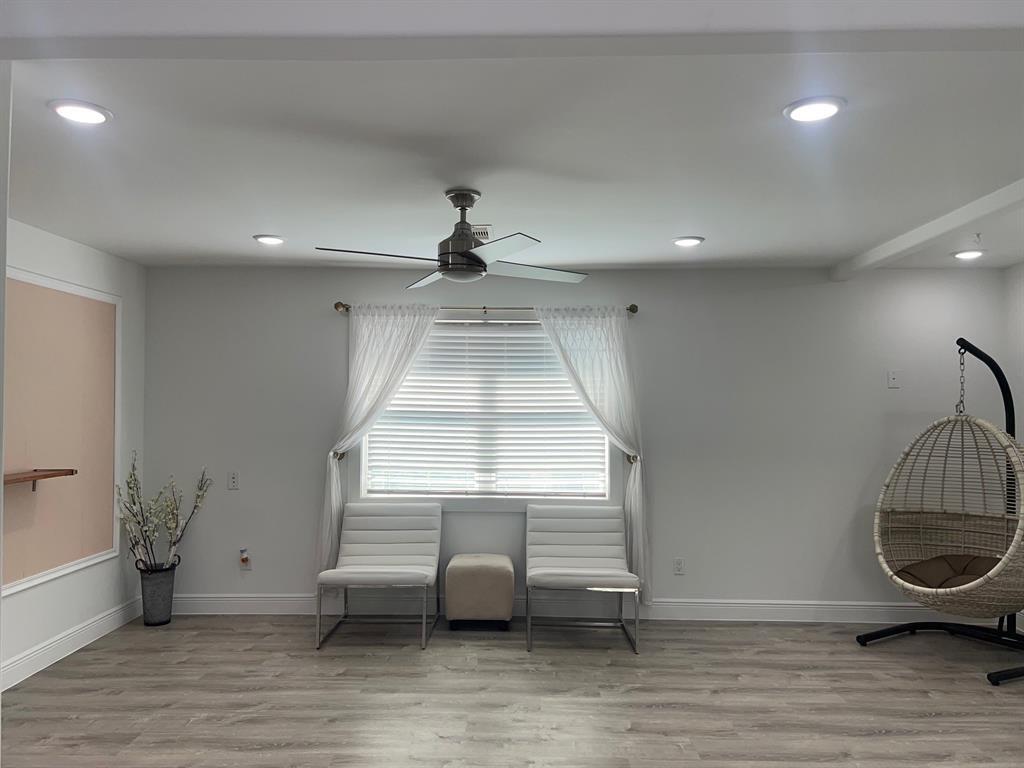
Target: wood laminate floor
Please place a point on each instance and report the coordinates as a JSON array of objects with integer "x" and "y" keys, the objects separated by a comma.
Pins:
[{"x": 227, "y": 692}]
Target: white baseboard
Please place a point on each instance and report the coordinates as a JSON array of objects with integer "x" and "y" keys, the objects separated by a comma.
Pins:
[
  {"x": 565, "y": 604},
  {"x": 363, "y": 602},
  {"x": 37, "y": 658},
  {"x": 838, "y": 612},
  {"x": 267, "y": 604}
]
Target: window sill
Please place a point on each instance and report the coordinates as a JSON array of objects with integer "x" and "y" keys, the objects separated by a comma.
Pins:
[{"x": 489, "y": 504}]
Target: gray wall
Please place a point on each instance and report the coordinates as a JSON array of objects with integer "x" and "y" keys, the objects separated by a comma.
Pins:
[{"x": 767, "y": 421}]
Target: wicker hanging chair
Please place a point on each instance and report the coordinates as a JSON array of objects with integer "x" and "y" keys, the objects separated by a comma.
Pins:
[{"x": 949, "y": 523}]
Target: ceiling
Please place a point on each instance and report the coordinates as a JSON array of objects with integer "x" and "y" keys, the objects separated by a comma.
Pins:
[
  {"x": 604, "y": 158},
  {"x": 408, "y": 18}
]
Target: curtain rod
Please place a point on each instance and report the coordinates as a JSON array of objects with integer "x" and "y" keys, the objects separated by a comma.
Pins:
[{"x": 341, "y": 306}]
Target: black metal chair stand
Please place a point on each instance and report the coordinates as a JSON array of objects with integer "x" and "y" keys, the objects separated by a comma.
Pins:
[{"x": 1005, "y": 635}]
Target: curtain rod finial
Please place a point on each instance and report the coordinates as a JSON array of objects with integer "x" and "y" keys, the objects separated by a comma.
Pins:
[
  {"x": 341, "y": 306},
  {"x": 633, "y": 309}
]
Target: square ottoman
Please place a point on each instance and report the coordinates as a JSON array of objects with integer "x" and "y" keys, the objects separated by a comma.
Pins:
[{"x": 479, "y": 588}]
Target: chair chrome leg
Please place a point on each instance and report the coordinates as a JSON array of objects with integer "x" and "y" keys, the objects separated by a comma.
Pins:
[
  {"x": 319, "y": 597},
  {"x": 426, "y": 629},
  {"x": 636, "y": 622},
  {"x": 634, "y": 636},
  {"x": 529, "y": 620},
  {"x": 423, "y": 632},
  {"x": 321, "y": 636}
]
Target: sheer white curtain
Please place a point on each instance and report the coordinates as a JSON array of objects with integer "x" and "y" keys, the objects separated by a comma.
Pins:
[
  {"x": 383, "y": 342},
  {"x": 591, "y": 343}
]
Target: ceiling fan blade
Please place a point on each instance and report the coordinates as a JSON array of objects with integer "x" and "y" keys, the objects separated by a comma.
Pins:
[
  {"x": 374, "y": 253},
  {"x": 425, "y": 280},
  {"x": 503, "y": 246},
  {"x": 512, "y": 269}
]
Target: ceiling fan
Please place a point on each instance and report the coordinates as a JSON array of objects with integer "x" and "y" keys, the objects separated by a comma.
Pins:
[{"x": 463, "y": 258}]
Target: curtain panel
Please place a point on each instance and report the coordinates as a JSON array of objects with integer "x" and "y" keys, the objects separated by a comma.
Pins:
[
  {"x": 383, "y": 343},
  {"x": 591, "y": 344}
]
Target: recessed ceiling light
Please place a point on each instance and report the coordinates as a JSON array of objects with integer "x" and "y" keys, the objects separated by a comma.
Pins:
[
  {"x": 974, "y": 252},
  {"x": 689, "y": 241},
  {"x": 813, "y": 109},
  {"x": 80, "y": 111},
  {"x": 268, "y": 239}
]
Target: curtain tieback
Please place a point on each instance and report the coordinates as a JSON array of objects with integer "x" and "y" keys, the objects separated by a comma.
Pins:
[
  {"x": 339, "y": 455},
  {"x": 633, "y": 459}
]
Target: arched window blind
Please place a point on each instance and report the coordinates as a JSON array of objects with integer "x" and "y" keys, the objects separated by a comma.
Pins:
[{"x": 486, "y": 411}]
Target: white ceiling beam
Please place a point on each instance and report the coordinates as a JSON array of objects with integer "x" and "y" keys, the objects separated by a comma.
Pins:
[
  {"x": 891, "y": 250},
  {"x": 320, "y": 48},
  {"x": 459, "y": 18}
]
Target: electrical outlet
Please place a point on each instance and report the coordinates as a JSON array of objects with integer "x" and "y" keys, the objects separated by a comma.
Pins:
[
  {"x": 232, "y": 481},
  {"x": 677, "y": 566},
  {"x": 244, "y": 561},
  {"x": 893, "y": 379}
]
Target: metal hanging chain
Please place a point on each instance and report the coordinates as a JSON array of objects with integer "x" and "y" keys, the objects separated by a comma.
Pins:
[{"x": 960, "y": 402}]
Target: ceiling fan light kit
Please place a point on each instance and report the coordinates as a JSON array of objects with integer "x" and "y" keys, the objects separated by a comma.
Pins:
[{"x": 462, "y": 257}]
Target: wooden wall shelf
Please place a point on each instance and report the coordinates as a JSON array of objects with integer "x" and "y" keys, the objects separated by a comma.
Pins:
[{"x": 35, "y": 475}]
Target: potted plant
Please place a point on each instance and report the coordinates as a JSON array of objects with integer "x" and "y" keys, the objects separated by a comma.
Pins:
[{"x": 154, "y": 528}]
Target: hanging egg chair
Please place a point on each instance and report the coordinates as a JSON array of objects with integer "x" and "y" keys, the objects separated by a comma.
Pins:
[{"x": 949, "y": 524}]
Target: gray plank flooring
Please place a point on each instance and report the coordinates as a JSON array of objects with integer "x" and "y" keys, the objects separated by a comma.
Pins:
[{"x": 234, "y": 691}]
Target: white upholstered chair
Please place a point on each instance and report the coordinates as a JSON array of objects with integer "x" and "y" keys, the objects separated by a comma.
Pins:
[
  {"x": 579, "y": 548},
  {"x": 385, "y": 545}
]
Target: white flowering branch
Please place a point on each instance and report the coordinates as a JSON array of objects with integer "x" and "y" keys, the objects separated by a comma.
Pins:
[{"x": 147, "y": 521}]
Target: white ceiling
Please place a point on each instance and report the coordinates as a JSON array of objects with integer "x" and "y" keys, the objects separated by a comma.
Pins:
[
  {"x": 417, "y": 18},
  {"x": 605, "y": 159}
]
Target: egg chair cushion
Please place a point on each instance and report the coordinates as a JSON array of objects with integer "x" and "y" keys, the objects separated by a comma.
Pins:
[{"x": 946, "y": 571}]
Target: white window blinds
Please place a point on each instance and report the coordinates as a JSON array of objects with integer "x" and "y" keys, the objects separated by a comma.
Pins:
[{"x": 486, "y": 411}]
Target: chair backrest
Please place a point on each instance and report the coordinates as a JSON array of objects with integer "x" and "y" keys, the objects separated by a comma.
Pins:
[
  {"x": 581, "y": 536},
  {"x": 374, "y": 533}
]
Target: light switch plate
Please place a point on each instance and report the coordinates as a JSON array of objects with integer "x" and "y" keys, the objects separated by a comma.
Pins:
[
  {"x": 232, "y": 481},
  {"x": 893, "y": 379}
]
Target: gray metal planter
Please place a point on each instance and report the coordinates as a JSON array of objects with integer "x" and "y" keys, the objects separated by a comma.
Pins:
[{"x": 157, "y": 592}]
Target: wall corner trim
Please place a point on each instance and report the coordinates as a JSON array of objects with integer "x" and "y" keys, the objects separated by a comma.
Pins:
[{"x": 39, "y": 657}]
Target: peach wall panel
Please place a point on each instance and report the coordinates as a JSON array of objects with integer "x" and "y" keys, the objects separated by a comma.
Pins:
[{"x": 59, "y": 410}]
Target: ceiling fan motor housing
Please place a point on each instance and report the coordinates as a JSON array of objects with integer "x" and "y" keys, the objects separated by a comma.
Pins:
[{"x": 454, "y": 261}]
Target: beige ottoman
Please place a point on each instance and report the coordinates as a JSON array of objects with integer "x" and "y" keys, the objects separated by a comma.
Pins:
[{"x": 479, "y": 588}]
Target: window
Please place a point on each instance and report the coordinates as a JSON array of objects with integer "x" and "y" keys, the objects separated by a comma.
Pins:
[{"x": 486, "y": 411}]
